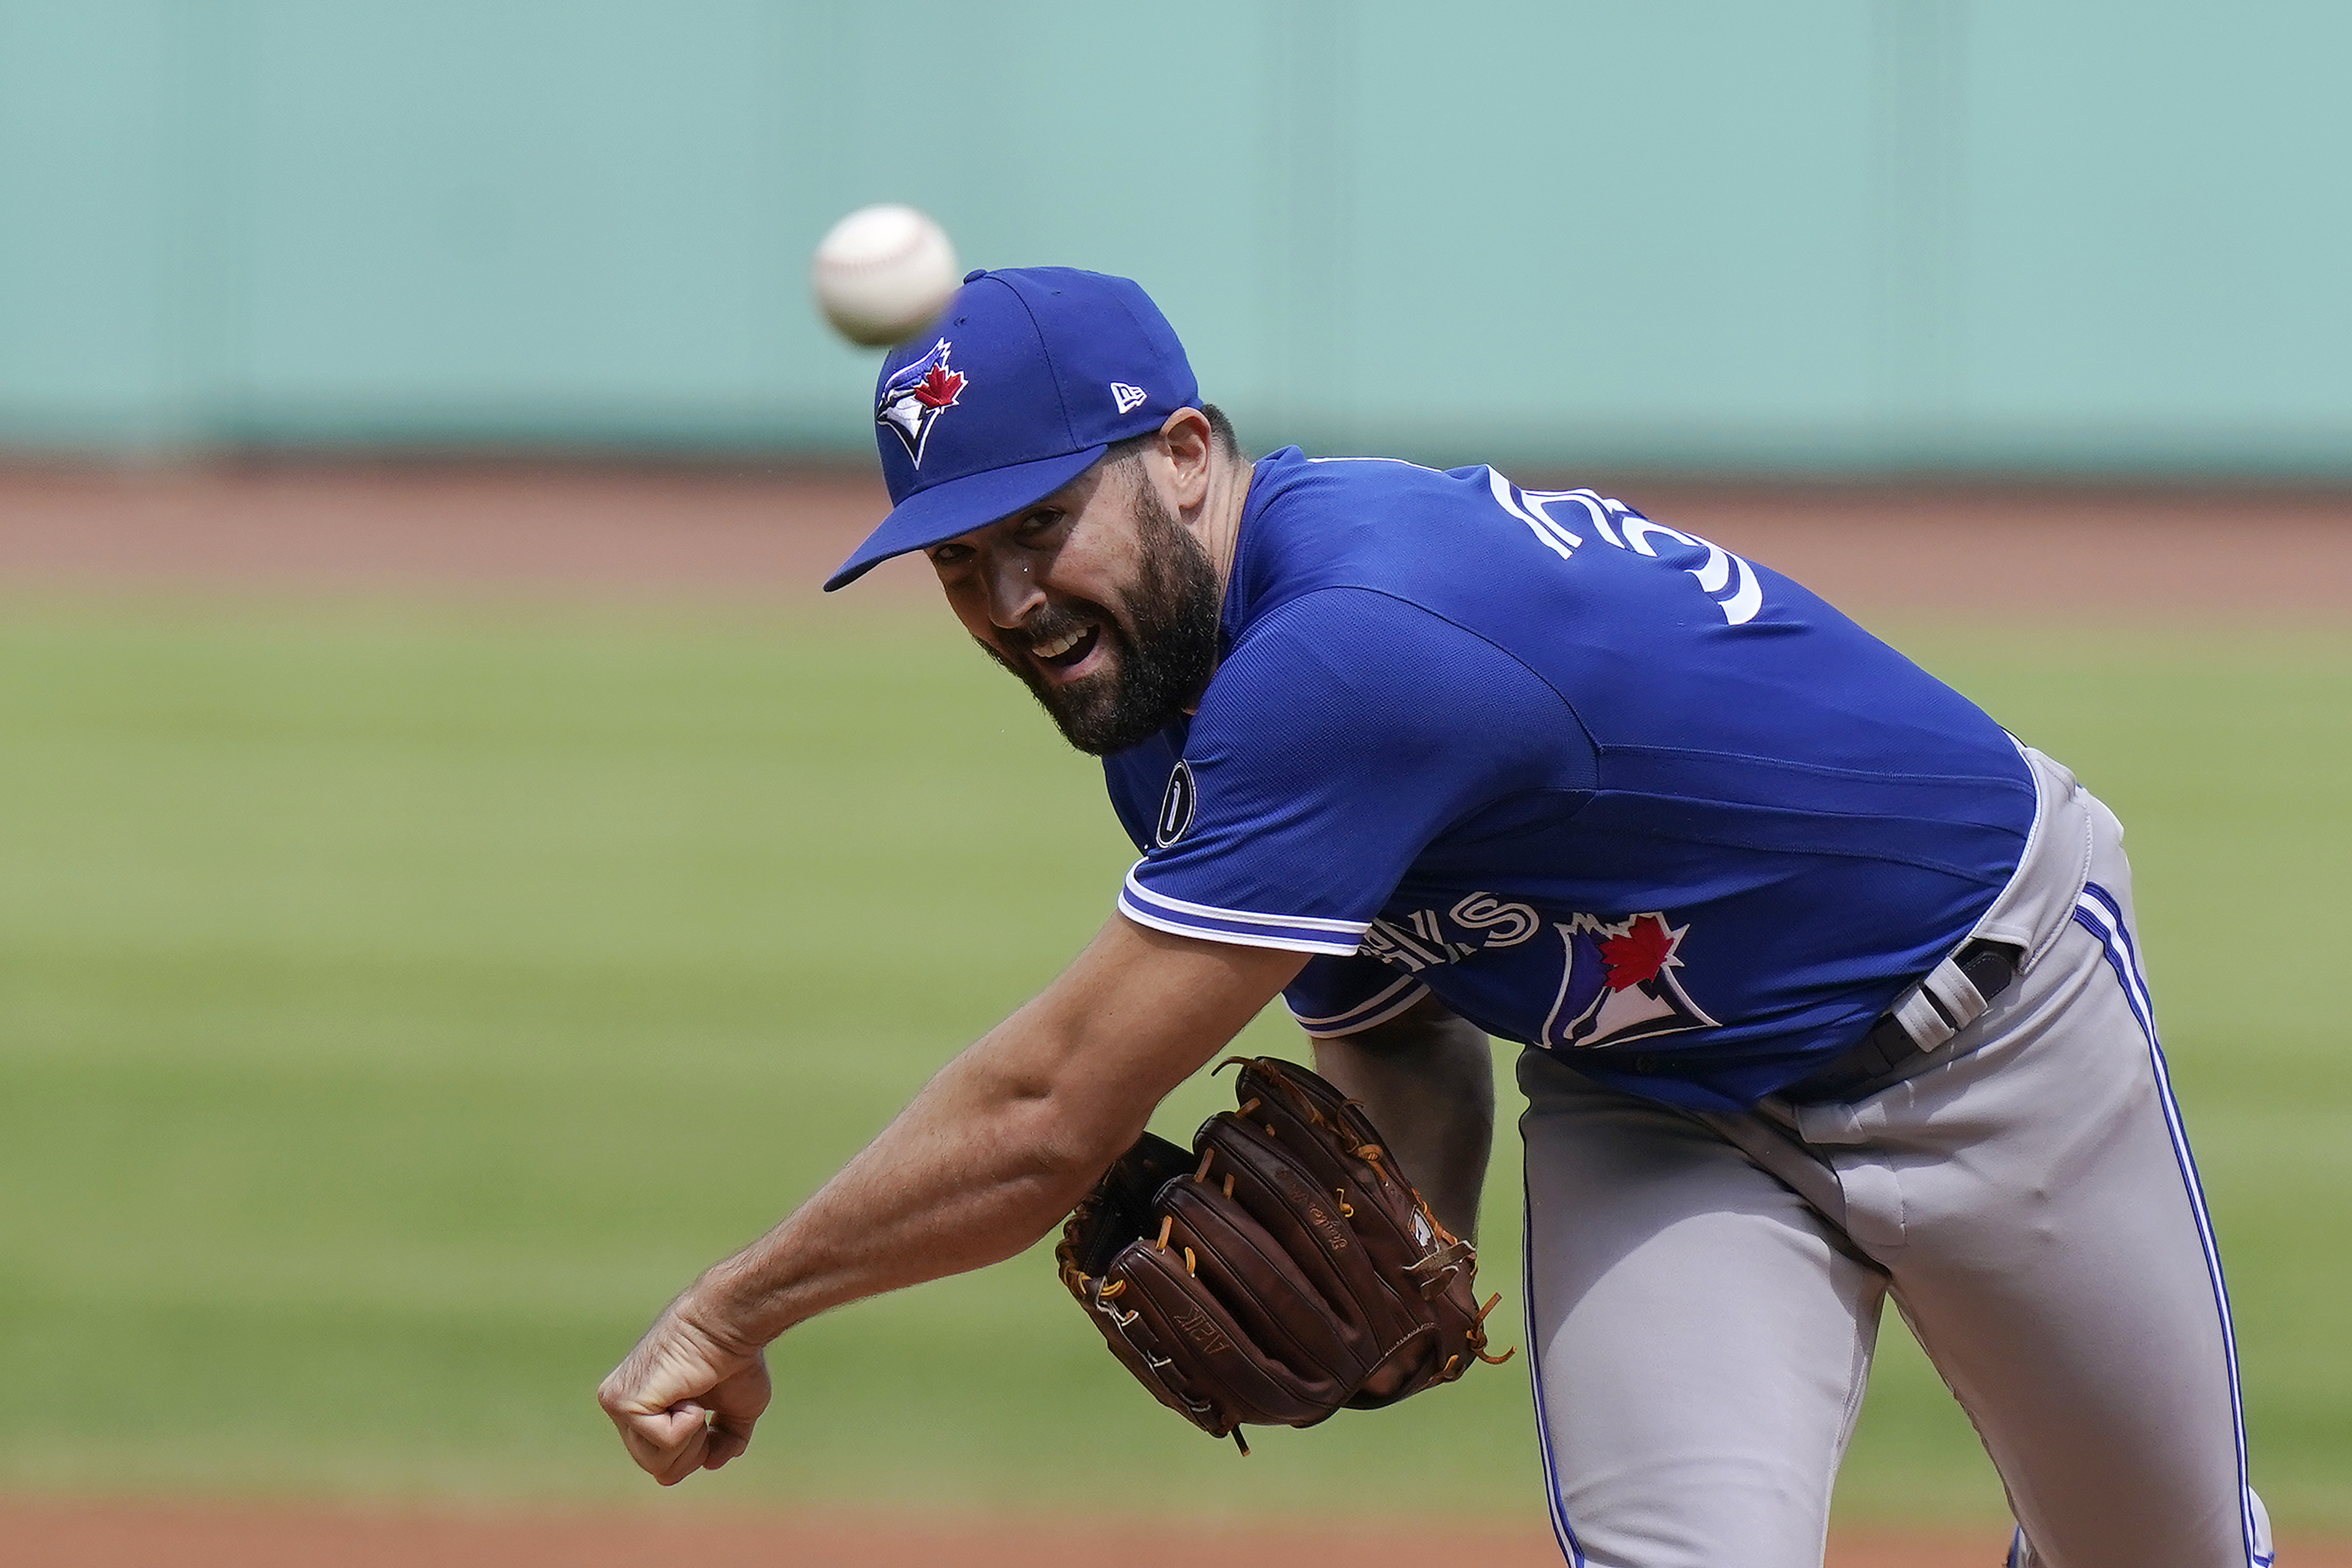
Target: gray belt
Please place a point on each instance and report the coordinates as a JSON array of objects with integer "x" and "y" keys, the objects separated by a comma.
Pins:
[{"x": 1910, "y": 1037}]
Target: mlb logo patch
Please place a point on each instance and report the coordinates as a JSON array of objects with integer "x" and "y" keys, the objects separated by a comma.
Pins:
[{"x": 916, "y": 395}]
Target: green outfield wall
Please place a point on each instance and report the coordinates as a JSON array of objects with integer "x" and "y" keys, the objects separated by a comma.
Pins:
[{"x": 1815, "y": 235}]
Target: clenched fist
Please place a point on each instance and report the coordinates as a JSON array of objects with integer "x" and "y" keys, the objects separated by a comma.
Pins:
[{"x": 683, "y": 1400}]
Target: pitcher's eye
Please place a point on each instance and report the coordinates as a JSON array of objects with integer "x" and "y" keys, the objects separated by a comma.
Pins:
[
  {"x": 1037, "y": 523},
  {"x": 951, "y": 554}
]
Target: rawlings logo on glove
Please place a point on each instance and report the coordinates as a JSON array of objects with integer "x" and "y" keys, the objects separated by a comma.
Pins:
[{"x": 1236, "y": 1290}]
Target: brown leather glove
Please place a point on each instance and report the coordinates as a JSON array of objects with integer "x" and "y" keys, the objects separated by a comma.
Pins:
[{"x": 1283, "y": 1269}]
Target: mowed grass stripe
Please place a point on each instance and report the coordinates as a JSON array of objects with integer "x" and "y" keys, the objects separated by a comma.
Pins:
[{"x": 396, "y": 1005}]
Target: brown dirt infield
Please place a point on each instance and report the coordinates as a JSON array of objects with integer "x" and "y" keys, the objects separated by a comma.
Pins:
[
  {"x": 766, "y": 538},
  {"x": 46, "y": 1534},
  {"x": 770, "y": 536}
]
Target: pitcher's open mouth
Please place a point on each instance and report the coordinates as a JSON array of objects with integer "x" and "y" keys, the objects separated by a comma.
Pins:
[{"x": 1067, "y": 651}]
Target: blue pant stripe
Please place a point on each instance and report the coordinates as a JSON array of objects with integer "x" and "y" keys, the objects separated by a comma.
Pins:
[
  {"x": 2099, "y": 912},
  {"x": 1562, "y": 1532}
]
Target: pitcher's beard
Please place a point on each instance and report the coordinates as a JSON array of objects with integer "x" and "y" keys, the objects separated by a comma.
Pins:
[{"x": 1162, "y": 651}]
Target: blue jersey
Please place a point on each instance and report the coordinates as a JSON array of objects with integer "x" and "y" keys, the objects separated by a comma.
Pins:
[{"x": 1597, "y": 784}]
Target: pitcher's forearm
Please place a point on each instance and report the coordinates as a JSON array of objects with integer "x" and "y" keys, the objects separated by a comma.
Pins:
[
  {"x": 969, "y": 1175},
  {"x": 1427, "y": 1079},
  {"x": 1007, "y": 1139}
]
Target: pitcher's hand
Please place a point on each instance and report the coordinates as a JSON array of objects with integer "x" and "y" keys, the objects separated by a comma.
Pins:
[{"x": 683, "y": 1400}]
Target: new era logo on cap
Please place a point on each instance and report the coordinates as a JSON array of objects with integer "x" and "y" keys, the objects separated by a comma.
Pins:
[{"x": 1127, "y": 397}]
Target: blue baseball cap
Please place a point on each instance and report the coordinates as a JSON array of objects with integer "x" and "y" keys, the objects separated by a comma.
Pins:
[{"x": 1025, "y": 379}]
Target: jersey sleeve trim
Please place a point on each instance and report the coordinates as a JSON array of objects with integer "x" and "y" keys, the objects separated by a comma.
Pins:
[
  {"x": 1246, "y": 928},
  {"x": 1368, "y": 1013}
]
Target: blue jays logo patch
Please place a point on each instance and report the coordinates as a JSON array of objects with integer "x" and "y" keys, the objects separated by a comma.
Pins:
[
  {"x": 1619, "y": 983},
  {"x": 916, "y": 395}
]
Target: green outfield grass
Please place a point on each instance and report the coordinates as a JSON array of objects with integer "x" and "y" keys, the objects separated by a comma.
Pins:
[{"x": 396, "y": 1005}]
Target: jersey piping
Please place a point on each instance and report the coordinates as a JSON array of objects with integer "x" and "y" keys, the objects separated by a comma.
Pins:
[
  {"x": 1248, "y": 928},
  {"x": 1371, "y": 1013}
]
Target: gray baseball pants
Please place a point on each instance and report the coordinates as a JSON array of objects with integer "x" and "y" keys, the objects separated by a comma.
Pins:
[{"x": 1704, "y": 1290}]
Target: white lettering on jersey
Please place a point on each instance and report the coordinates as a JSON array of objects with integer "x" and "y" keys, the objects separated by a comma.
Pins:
[
  {"x": 1724, "y": 577},
  {"x": 1548, "y": 533},
  {"x": 1398, "y": 947},
  {"x": 1505, "y": 925},
  {"x": 1423, "y": 938},
  {"x": 1721, "y": 568}
]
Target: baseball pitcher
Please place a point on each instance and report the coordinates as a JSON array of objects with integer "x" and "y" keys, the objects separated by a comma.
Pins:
[{"x": 1828, "y": 989}]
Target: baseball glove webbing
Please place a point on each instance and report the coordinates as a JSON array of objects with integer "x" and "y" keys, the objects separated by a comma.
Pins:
[{"x": 1312, "y": 1277}]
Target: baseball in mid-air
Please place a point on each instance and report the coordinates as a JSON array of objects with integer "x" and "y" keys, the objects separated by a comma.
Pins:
[{"x": 882, "y": 273}]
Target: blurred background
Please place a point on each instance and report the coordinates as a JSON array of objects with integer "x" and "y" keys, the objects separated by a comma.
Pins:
[
  {"x": 2088, "y": 235},
  {"x": 457, "y": 877}
]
